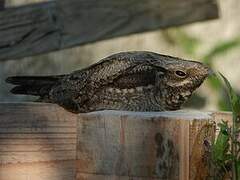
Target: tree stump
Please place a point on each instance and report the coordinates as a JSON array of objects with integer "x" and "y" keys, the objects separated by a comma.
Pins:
[{"x": 132, "y": 145}]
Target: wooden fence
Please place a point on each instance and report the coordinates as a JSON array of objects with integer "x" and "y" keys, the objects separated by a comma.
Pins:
[{"x": 43, "y": 141}]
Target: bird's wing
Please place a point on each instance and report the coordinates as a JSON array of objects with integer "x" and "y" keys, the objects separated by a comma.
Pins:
[
  {"x": 121, "y": 69},
  {"x": 142, "y": 75},
  {"x": 78, "y": 87}
]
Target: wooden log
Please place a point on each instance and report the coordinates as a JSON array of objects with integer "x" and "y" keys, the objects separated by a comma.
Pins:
[
  {"x": 55, "y": 25},
  {"x": 127, "y": 145}
]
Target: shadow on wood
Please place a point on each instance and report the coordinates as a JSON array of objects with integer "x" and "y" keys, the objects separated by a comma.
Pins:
[{"x": 37, "y": 141}]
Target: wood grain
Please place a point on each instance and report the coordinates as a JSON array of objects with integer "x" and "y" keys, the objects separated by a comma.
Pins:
[
  {"x": 42, "y": 141},
  {"x": 49, "y": 26},
  {"x": 59, "y": 170},
  {"x": 164, "y": 145},
  {"x": 37, "y": 141}
]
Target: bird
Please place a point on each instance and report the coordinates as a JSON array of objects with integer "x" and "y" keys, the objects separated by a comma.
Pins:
[{"x": 127, "y": 81}]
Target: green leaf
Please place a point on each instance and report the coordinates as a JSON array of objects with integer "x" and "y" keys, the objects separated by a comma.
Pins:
[
  {"x": 215, "y": 82},
  {"x": 221, "y": 146},
  {"x": 220, "y": 48},
  {"x": 235, "y": 100},
  {"x": 235, "y": 104},
  {"x": 238, "y": 168}
]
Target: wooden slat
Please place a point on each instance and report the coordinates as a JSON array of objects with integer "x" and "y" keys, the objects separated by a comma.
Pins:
[
  {"x": 37, "y": 141},
  {"x": 55, "y": 25},
  {"x": 59, "y": 170},
  {"x": 39, "y": 156},
  {"x": 36, "y": 133},
  {"x": 35, "y": 137}
]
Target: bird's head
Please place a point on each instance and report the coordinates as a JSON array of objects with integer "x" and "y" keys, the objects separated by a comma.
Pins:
[{"x": 178, "y": 78}]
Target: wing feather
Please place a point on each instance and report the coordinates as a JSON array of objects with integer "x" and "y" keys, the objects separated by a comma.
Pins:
[{"x": 144, "y": 78}]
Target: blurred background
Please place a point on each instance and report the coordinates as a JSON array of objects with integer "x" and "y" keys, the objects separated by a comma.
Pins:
[{"x": 215, "y": 42}]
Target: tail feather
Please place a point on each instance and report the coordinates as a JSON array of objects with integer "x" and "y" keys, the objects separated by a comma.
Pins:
[
  {"x": 31, "y": 90},
  {"x": 33, "y": 85},
  {"x": 29, "y": 80}
]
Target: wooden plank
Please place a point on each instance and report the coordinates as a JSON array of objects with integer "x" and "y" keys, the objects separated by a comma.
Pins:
[
  {"x": 55, "y": 25},
  {"x": 35, "y": 137},
  {"x": 13, "y": 157},
  {"x": 164, "y": 145},
  {"x": 35, "y": 132},
  {"x": 58, "y": 170},
  {"x": 37, "y": 141}
]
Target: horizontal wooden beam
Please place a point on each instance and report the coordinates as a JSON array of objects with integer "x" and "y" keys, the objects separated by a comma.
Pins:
[
  {"x": 43, "y": 141},
  {"x": 37, "y": 141},
  {"x": 55, "y": 25}
]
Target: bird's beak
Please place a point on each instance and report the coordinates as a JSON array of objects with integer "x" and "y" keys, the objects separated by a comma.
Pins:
[{"x": 210, "y": 72}]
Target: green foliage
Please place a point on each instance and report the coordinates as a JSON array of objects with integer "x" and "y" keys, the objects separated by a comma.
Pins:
[
  {"x": 215, "y": 83},
  {"x": 179, "y": 37},
  {"x": 220, "y": 49},
  {"x": 222, "y": 153},
  {"x": 235, "y": 104},
  {"x": 189, "y": 43},
  {"x": 220, "y": 147},
  {"x": 234, "y": 99}
]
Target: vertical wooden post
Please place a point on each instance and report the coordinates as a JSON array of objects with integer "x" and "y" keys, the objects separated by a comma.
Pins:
[
  {"x": 123, "y": 145},
  {"x": 184, "y": 151}
]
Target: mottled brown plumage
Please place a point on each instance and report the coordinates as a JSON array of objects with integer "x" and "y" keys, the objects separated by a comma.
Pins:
[{"x": 134, "y": 81}]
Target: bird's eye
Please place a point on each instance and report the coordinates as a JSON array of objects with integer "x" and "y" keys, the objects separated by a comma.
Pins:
[{"x": 180, "y": 74}]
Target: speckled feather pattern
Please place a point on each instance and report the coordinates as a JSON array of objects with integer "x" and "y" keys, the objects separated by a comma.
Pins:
[{"x": 133, "y": 81}]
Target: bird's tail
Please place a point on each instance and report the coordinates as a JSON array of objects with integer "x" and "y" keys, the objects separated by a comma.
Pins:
[{"x": 33, "y": 85}]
